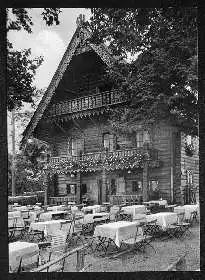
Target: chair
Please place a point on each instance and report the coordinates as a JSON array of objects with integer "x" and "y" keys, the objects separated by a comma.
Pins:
[
  {"x": 140, "y": 240},
  {"x": 114, "y": 213},
  {"x": 57, "y": 247},
  {"x": 124, "y": 217},
  {"x": 25, "y": 264},
  {"x": 78, "y": 229},
  {"x": 12, "y": 228},
  {"x": 183, "y": 226},
  {"x": 151, "y": 228}
]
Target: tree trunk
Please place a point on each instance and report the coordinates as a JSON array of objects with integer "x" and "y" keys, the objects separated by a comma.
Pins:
[{"x": 13, "y": 165}]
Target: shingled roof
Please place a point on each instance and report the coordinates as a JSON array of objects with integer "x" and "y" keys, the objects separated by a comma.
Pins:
[{"x": 81, "y": 33}]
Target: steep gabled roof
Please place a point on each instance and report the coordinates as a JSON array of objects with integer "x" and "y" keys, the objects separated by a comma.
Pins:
[{"x": 81, "y": 35}]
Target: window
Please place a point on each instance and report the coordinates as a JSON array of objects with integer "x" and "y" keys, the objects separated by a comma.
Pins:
[
  {"x": 136, "y": 186},
  {"x": 71, "y": 189},
  {"x": 189, "y": 177},
  {"x": 108, "y": 141},
  {"x": 83, "y": 189},
  {"x": 113, "y": 187},
  {"x": 76, "y": 146},
  {"x": 154, "y": 185},
  {"x": 142, "y": 137}
]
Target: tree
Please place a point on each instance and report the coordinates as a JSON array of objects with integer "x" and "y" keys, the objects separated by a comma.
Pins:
[
  {"x": 162, "y": 81},
  {"x": 27, "y": 176},
  {"x": 21, "y": 69}
]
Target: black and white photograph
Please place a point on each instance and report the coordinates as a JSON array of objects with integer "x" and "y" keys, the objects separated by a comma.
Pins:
[{"x": 103, "y": 139}]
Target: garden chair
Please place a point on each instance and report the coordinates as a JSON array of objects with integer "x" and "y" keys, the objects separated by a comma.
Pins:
[
  {"x": 114, "y": 213},
  {"x": 12, "y": 228},
  {"x": 124, "y": 217},
  {"x": 28, "y": 262},
  {"x": 152, "y": 229},
  {"x": 140, "y": 240},
  {"x": 79, "y": 230},
  {"x": 56, "y": 248}
]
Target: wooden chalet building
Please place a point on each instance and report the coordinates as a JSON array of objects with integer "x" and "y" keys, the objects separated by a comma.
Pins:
[{"x": 87, "y": 158}]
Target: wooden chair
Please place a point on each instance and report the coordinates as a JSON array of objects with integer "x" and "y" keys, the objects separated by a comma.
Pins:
[
  {"x": 140, "y": 240},
  {"x": 24, "y": 265}
]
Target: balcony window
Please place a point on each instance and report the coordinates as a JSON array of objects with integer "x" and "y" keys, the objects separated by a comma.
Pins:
[
  {"x": 75, "y": 146},
  {"x": 136, "y": 186},
  {"x": 142, "y": 137},
  {"x": 108, "y": 141}
]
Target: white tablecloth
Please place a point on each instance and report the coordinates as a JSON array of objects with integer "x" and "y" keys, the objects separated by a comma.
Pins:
[
  {"x": 19, "y": 222},
  {"x": 47, "y": 216},
  {"x": 96, "y": 217},
  {"x": 160, "y": 202},
  {"x": 134, "y": 209},
  {"x": 56, "y": 208},
  {"x": 19, "y": 208},
  {"x": 14, "y": 214},
  {"x": 117, "y": 231},
  {"x": 93, "y": 208},
  {"x": 187, "y": 209},
  {"x": 163, "y": 219},
  {"x": 49, "y": 227},
  {"x": 17, "y": 250}
]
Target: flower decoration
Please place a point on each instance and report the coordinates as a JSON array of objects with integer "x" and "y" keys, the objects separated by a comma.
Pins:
[{"x": 189, "y": 149}]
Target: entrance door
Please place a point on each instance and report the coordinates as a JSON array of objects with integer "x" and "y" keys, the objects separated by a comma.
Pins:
[{"x": 100, "y": 191}]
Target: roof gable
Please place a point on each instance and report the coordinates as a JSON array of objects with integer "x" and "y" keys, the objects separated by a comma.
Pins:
[{"x": 78, "y": 41}]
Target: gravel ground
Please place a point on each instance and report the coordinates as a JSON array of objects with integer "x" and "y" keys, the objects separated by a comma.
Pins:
[{"x": 167, "y": 252}]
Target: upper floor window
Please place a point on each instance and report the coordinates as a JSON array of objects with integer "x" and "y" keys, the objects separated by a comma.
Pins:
[
  {"x": 142, "y": 137},
  {"x": 108, "y": 141},
  {"x": 189, "y": 177},
  {"x": 76, "y": 146}
]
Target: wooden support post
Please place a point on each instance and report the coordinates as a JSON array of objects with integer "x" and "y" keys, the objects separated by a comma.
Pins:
[
  {"x": 145, "y": 181},
  {"x": 80, "y": 260},
  {"x": 104, "y": 186},
  {"x": 46, "y": 190},
  {"x": 78, "y": 182}
]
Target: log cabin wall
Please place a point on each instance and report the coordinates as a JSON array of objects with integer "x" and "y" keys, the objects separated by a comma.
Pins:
[{"x": 190, "y": 163}]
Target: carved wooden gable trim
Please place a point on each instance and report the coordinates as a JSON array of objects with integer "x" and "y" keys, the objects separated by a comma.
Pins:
[{"x": 79, "y": 39}]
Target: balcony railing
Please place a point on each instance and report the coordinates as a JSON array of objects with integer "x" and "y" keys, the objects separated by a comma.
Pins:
[
  {"x": 102, "y": 156},
  {"x": 86, "y": 103}
]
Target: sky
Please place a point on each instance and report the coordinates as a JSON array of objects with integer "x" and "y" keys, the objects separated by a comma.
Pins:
[{"x": 50, "y": 42}]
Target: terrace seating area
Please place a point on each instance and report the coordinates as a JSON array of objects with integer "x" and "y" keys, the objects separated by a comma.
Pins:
[{"x": 39, "y": 236}]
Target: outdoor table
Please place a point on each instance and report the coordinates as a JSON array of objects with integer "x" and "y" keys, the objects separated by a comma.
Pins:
[
  {"x": 134, "y": 209},
  {"x": 187, "y": 209},
  {"x": 20, "y": 208},
  {"x": 164, "y": 219},
  {"x": 48, "y": 227},
  {"x": 19, "y": 222},
  {"x": 93, "y": 208},
  {"x": 17, "y": 250},
  {"x": 47, "y": 216},
  {"x": 56, "y": 208},
  {"x": 14, "y": 214},
  {"x": 159, "y": 202},
  {"x": 96, "y": 217},
  {"x": 116, "y": 231}
]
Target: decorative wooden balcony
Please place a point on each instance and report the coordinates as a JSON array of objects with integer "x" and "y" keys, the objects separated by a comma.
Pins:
[
  {"x": 86, "y": 103},
  {"x": 120, "y": 159}
]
